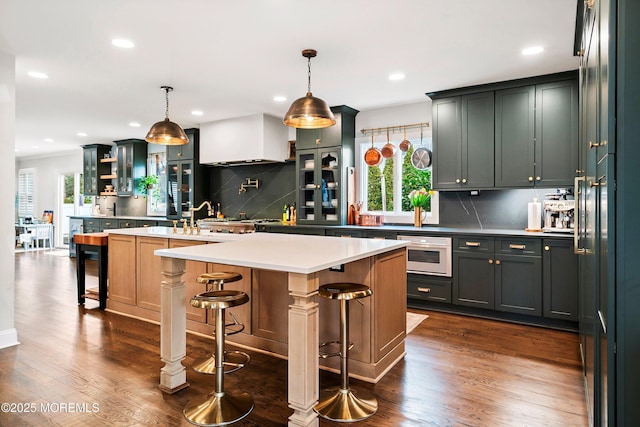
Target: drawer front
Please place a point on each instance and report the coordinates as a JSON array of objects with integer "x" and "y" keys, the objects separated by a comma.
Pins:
[
  {"x": 91, "y": 223},
  {"x": 126, "y": 223},
  {"x": 107, "y": 224},
  {"x": 519, "y": 246},
  {"x": 473, "y": 244},
  {"x": 145, "y": 223},
  {"x": 428, "y": 288}
]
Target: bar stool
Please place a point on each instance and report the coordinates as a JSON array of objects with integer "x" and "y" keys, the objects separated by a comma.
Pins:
[
  {"x": 233, "y": 360},
  {"x": 341, "y": 403},
  {"x": 219, "y": 408}
]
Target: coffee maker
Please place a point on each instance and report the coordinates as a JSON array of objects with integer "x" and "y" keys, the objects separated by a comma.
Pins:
[{"x": 559, "y": 212}]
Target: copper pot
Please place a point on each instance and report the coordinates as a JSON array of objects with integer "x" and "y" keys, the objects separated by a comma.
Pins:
[
  {"x": 405, "y": 144},
  {"x": 388, "y": 150},
  {"x": 373, "y": 156}
]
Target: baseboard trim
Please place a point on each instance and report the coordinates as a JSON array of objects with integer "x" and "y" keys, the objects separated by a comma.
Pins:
[{"x": 8, "y": 338}]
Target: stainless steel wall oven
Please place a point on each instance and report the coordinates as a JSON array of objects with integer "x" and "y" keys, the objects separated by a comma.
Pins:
[{"x": 428, "y": 255}]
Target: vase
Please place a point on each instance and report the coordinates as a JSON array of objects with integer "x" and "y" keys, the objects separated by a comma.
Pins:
[{"x": 417, "y": 216}]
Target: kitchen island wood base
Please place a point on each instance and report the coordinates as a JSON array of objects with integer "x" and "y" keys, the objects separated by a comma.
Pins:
[{"x": 287, "y": 317}]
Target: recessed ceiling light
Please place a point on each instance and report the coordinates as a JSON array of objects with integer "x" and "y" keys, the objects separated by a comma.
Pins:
[
  {"x": 279, "y": 98},
  {"x": 197, "y": 113},
  {"x": 81, "y": 134},
  {"x": 37, "y": 75},
  {"x": 134, "y": 124},
  {"x": 48, "y": 140},
  {"x": 396, "y": 76},
  {"x": 534, "y": 50},
  {"x": 125, "y": 44}
]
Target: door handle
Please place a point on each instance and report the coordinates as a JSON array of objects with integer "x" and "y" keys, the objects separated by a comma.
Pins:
[{"x": 576, "y": 239}]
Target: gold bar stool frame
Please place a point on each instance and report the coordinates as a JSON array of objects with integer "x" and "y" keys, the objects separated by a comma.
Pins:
[
  {"x": 233, "y": 360},
  {"x": 341, "y": 403},
  {"x": 219, "y": 408}
]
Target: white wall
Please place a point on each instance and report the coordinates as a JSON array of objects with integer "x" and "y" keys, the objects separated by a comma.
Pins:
[
  {"x": 47, "y": 170},
  {"x": 8, "y": 333},
  {"x": 397, "y": 116}
]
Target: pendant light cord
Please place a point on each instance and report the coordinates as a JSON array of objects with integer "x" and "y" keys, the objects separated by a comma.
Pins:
[
  {"x": 166, "y": 112},
  {"x": 309, "y": 74}
]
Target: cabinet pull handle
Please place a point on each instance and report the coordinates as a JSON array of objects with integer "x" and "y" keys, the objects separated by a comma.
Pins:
[
  {"x": 594, "y": 184},
  {"x": 538, "y": 178},
  {"x": 547, "y": 248},
  {"x": 593, "y": 145},
  {"x": 464, "y": 180},
  {"x": 458, "y": 181},
  {"x": 425, "y": 290},
  {"x": 497, "y": 262},
  {"x": 472, "y": 244},
  {"x": 490, "y": 261},
  {"x": 530, "y": 179},
  {"x": 318, "y": 141},
  {"x": 514, "y": 246}
]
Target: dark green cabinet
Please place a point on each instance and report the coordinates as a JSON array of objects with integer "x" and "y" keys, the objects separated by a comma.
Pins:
[
  {"x": 187, "y": 184},
  {"x": 186, "y": 151},
  {"x": 331, "y": 136},
  {"x": 91, "y": 225},
  {"x": 499, "y": 274},
  {"x": 323, "y": 169},
  {"x": 556, "y": 147},
  {"x": 536, "y": 135},
  {"x": 421, "y": 287},
  {"x": 109, "y": 224},
  {"x": 132, "y": 165},
  {"x": 515, "y": 133},
  {"x": 93, "y": 168},
  {"x": 560, "y": 279},
  {"x": 473, "y": 272},
  {"x": 463, "y": 138}
]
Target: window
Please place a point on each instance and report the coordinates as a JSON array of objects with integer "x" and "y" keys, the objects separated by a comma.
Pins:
[
  {"x": 26, "y": 193},
  {"x": 385, "y": 188}
]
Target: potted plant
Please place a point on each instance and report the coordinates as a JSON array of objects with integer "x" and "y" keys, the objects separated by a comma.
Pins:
[{"x": 147, "y": 183}]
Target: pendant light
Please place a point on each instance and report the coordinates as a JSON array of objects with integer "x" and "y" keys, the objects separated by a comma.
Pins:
[
  {"x": 166, "y": 132},
  {"x": 309, "y": 112}
]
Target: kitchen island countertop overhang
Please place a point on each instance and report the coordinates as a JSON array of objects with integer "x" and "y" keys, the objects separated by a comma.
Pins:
[{"x": 285, "y": 252}]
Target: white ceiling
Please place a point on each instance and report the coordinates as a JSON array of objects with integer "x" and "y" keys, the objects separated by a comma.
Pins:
[{"x": 230, "y": 58}]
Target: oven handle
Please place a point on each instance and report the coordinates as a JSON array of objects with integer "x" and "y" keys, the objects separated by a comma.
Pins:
[{"x": 428, "y": 246}]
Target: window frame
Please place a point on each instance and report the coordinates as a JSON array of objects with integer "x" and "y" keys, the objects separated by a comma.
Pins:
[
  {"x": 26, "y": 193},
  {"x": 397, "y": 216}
]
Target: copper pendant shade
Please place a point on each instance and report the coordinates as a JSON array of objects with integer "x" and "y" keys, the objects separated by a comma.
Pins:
[
  {"x": 166, "y": 132},
  {"x": 309, "y": 112}
]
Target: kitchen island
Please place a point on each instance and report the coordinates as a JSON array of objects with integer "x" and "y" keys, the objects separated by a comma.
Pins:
[{"x": 285, "y": 271}]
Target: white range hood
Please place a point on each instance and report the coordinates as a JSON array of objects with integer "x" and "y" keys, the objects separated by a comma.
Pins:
[{"x": 258, "y": 138}]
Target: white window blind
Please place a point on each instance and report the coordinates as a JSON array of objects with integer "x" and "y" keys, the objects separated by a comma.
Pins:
[{"x": 25, "y": 193}]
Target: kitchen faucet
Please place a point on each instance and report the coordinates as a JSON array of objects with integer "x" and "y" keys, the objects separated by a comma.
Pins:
[{"x": 194, "y": 210}]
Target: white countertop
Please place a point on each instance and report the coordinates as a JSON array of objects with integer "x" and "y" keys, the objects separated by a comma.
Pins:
[
  {"x": 167, "y": 232},
  {"x": 281, "y": 252}
]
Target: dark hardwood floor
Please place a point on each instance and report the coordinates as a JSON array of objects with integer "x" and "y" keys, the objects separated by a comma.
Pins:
[{"x": 458, "y": 371}]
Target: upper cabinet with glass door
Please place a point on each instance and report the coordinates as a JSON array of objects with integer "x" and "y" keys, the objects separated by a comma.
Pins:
[{"x": 324, "y": 162}]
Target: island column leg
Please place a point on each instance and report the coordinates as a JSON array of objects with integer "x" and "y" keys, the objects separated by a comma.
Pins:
[
  {"x": 303, "y": 349},
  {"x": 173, "y": 326}
]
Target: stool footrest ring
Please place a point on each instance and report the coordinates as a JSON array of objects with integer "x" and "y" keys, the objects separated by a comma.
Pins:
[{"x": 325, "y": 354}]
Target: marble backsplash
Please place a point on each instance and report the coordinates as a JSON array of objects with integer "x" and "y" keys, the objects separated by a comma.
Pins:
[{"x": 490, "y": 209}]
